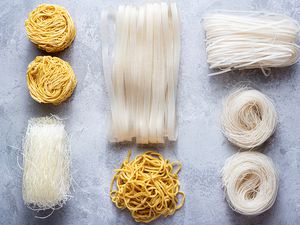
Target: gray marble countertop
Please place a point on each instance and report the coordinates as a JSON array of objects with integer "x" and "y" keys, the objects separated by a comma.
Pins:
[{"x": 201, "y": 147}]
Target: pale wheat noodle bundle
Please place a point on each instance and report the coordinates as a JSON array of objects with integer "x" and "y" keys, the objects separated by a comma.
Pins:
[
  {"x": 247, "y": 40},
  {"x": 147, "y": 186},
  {"x": 250, "y": 182},
  {"x": 141, "y": 72},
  {"x": 46, "y": 162},
  {"x": 249, "y": 118},
  {"x": 50, "y": 80},
  {"x": 50, "y": 27}
]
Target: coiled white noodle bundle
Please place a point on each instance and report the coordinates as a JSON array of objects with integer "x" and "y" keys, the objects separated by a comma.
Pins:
[
  {"x": 246, "y": 40},
  {"x": 46, "y": 159},
  {"x": 250, "y": 182},
  {"x": 249, "y": 118},
  {"x": 141, "y": 74}
]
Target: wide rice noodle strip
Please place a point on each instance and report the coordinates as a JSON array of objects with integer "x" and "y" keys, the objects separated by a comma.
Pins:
[
  {"x": 157, "y": 81},
  {"x": 141, "y": 42},
  {"x": 119, "y": 112},
  {"x": 172, "y": 130},
  {"x": 133, "y": 82},
  {"x": 148, "y": 71}
]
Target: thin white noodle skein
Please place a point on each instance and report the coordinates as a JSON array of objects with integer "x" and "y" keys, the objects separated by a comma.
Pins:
[
  {"x": 247, "y": 40},
  {"x": 249, "y": 118},
  {"x": 250, "y": 182},
  {"x": 46, "y": 162}
]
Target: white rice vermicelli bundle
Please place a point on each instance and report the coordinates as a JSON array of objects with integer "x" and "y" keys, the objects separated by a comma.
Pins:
[
  {"x": 46, "y": 160},
  {"x": 141, "y": 71},
  {"x": 250, "y": 182},
  {"x": 247, "y": 40},
  {"x": 249, "y": 118}
]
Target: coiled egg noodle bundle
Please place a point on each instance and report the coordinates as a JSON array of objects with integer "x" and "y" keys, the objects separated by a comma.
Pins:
[
  {"x": 249, "y": 118},
  {"x": 141, "y": 69},
  {"x": 50, "y": 27},
  {"x": 250, "y": 182},
  {"x": 46, "y": 164},
  {"x": 147, "y": 186},
  {"x": 50, "y": 80},
  {"x": 247, "y": 40}
]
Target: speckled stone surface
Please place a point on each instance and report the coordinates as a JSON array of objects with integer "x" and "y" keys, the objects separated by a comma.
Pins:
[{"x": 201, "y": 147}]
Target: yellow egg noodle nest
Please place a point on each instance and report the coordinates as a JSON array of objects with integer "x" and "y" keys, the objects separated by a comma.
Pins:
[
  {"x": 147, "y": 186},
  {"x": 50, "y": 80},
  {"x": 50, "y": 27}
]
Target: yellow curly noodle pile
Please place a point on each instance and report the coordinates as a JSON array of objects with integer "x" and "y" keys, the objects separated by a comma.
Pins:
[
  {"x": 50, "y": 80},
  {"x": 50, "y": 27},
  {"x": 147, "y": 186}
]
